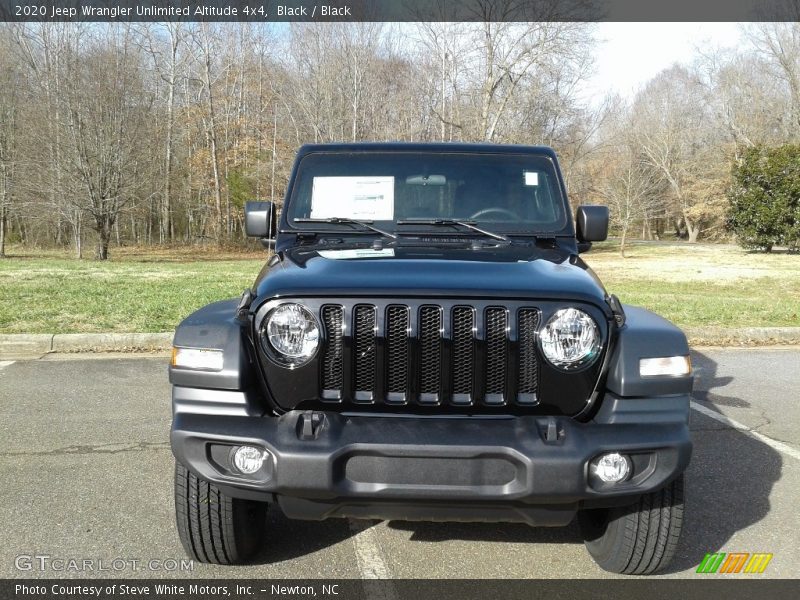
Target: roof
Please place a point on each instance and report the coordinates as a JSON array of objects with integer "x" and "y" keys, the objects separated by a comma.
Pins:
[{"x": 428, "y": 147}]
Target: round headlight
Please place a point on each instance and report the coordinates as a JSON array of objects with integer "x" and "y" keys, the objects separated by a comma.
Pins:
[
  {"x": 292, "y": 333},
  {"x": 570, "y": 339}
]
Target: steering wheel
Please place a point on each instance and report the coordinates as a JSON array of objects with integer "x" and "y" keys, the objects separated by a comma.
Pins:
[{"x": 505, "y": 212}]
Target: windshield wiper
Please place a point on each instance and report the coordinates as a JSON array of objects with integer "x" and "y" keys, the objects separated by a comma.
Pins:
[
  {"x": 453, "y": 223},
  {"x": 345, "y": 221}
]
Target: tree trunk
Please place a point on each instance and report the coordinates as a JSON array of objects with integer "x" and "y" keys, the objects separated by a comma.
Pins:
[
  {"x": 212, "y": 137},
  {"x": 166, "y": 215},
  {"x": 692, "y": 230},
  {"x": 102, "y": 249},
  {"x": 274, "y": 154},
  {"x": 104, "y": 235},
  {"x": 76, "y": 229},
  {"x": 2, "y": 231},
  {"x": 622, "y": 242}
]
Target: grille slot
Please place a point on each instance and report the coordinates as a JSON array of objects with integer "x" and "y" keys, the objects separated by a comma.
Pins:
[
  {"x": 528, "y": 360},
  {"x": 364, "y": 333},
  {"x": 463, "y": 353},
  {"x": 332, "y": 317},
  {"x": 496, "y": 351},
  {"x": 429, "y": 354},
  {"x": 397, "y": 353}
]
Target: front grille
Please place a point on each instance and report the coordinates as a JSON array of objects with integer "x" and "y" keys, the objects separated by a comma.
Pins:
[{"x": 399, "y": 354}]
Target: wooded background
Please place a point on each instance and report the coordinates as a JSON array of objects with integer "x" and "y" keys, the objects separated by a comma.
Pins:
[{"x": 158, "y": 133}]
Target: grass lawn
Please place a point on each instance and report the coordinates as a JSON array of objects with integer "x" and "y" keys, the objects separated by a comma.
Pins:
[
  {"x": 133, "y": 292},
  {"x": 151, "y": 291},
  {"x": 704, "y": 284}
]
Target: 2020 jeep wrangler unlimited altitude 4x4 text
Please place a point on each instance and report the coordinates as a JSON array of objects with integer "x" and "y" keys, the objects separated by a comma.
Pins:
[{"x": 427, "y": 344}]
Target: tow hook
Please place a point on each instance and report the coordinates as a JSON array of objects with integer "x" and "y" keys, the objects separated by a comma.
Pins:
[{"x": 309, "y": 424}]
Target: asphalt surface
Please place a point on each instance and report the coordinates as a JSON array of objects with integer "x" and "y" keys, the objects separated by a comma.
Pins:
[{"x": 86, "y": 474}]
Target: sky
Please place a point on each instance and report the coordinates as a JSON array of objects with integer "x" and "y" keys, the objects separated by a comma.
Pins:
[{"x": 629, "y": 54}]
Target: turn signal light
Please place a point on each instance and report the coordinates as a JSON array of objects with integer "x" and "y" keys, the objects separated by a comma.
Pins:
[{"x": 667, "y": 366}]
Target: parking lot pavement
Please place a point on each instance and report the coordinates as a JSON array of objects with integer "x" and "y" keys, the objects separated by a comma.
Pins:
[{"x": 87, "y": 474}]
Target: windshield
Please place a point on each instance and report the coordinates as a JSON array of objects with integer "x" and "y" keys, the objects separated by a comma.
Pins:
[{"x": 512, "y": 193}]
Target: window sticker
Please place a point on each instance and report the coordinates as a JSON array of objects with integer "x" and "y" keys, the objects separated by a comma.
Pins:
[
  {"x": 368, "y": 198},
  {"x": 531, "y": 178},
  {"x": 356, "y": 253}
]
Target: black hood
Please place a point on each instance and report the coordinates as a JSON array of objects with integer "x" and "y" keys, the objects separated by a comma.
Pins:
[{"x": 505, "y": 271}]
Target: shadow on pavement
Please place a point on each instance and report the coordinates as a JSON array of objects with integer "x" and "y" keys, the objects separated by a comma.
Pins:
[
  {"x": 299, "y": 538},
  {"x": 512, "y": 533},
  {"x": 730, "y": 478}
]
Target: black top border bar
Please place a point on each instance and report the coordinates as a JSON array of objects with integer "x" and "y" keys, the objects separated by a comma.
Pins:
[{"x": 399, "y": 10}]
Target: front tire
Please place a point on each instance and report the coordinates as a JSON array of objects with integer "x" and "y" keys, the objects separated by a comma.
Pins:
[
  {"x": 639, "y": 539},
  {"x": 215, "y": 528}
]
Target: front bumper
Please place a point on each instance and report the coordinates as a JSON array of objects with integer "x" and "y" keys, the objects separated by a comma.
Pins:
[{"x": 533, "y": 469}]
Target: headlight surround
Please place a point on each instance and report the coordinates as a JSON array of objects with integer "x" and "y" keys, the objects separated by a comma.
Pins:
[
  {"x": 290, "y": 334},
  {"x": 570, "y": 339}
]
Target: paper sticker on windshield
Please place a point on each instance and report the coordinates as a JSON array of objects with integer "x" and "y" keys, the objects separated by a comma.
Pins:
[
  {"x": 531, "y": 178},
  {"x": 356, "y": 253},
  {"x": 367, "y": 198}
]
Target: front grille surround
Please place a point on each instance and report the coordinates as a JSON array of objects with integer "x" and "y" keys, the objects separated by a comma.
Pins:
[{"x": 447, "y": 368}]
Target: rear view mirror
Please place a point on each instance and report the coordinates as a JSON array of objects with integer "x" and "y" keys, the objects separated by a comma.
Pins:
[
  {"x": 592, "y": 223},
  {"x": 426, "y": 180},
  {"x": 259, "y": 219}
]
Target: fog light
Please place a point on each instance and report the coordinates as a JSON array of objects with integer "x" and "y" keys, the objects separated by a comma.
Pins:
[
  {"x": 248, "y": 459},
  {"x": 612, "y": 467}
]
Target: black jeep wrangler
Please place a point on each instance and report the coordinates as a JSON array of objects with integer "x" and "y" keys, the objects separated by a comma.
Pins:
[{"x": 427, "y": 344}]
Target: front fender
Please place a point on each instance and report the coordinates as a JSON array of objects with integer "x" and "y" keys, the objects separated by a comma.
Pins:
[
  {"x": 216, "y": 327},
  {"x": 646, "y": 335}
]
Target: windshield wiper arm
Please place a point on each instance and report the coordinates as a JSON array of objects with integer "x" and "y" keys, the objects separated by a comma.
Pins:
[
  {"x": 345, "y": 221},
  {"x": 455, "y": 222}
]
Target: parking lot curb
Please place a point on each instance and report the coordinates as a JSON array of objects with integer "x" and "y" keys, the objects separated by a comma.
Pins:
[
  {"x": 742, "y": 336},
  {"x": 24, "y": 344},
  {"x": 111, "y": 342}
]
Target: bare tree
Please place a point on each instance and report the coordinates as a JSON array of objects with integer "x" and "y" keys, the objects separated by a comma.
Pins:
[
  {"x": 9, "y": 104},
  {"x": 627, "y": 182},
  {"x": 205, "y": 41},
  {"x": 107, "y": 110},
  {"x": 164, "y": 42},
  {"x": 779, "y": 44},
  {"x": 44, "y": 51},
  {"x": 670, "y": 125}
]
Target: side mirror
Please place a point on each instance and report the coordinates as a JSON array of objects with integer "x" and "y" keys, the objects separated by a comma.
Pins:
[
  {"x": 592, "y": 223},
  {"x": 259, "y": 220}
]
